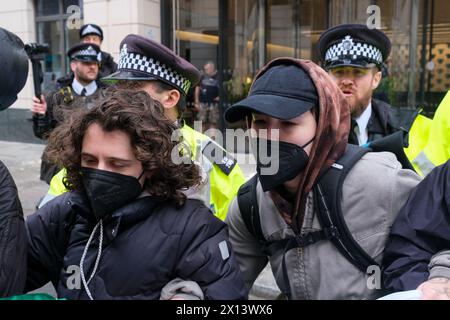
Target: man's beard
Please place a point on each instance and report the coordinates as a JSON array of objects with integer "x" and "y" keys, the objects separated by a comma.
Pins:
[
  {"x": 360, "y": 105},
  {"x": 84, "y": 78}
]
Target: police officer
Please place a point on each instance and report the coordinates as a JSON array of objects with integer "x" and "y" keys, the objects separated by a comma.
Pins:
[
  {"x": 92, "y": 33},
  {"x": 354, "y": 55},
  {"x": 13, "y": 241},
  {"x": 147, "y": 65},
  {"x": 81, "y": 93}
]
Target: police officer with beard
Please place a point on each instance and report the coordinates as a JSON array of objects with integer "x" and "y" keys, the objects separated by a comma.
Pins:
[
  {"x": 13, "y": 76},
  {"x": 82, "y": 92},
  {"x": 354, "y": 56}
]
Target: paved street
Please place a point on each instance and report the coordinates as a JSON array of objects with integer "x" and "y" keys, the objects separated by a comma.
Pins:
[{"x": 23, "y": 161}]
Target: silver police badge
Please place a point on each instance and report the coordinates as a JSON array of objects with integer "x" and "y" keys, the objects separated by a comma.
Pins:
[{"x": 347, "y": 43}]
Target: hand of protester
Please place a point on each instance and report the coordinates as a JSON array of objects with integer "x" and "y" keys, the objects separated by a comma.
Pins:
[
  {"x": 197, "y": 107},
  {"x": 435, "y": 289},
  {"x": 39, "y": 106}
]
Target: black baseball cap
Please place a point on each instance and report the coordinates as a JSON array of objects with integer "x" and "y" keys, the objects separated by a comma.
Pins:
[{"x": 283, "y": 91}]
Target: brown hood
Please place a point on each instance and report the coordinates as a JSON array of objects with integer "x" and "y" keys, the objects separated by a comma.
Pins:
[{"x": 332, "y": 131}]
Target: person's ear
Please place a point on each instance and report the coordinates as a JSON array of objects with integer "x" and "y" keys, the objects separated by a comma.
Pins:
[
  {"x": 73, "y": 65},
  {"x": 376, "y": 80},
  {"x": 170, "y": 98}
]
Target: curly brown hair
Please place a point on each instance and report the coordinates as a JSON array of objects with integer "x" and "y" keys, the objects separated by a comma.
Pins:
[{"x": 142, "y": 118}]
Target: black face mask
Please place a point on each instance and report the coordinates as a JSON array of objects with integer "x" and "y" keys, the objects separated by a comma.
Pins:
[
  {"x": 108, "y": 191},
  {"x": 291, "y": 161}
]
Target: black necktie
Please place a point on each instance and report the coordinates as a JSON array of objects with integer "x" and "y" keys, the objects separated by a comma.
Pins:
[
  {"x": 83, "y": 92},
  {"x": 352, "y": 137}
]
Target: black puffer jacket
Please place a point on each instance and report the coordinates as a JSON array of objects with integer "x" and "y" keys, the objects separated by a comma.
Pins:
[
  {"x": 421, "y": 230},
  {"x": 146, "y": 244},
  {"x": 13, "y": 241}
]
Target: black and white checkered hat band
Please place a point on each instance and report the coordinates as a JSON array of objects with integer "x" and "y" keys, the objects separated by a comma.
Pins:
[
  {"x": 85, "y": 53},
  {"x": 357, "y": 51},
  {"x": 133, "y": 61}
]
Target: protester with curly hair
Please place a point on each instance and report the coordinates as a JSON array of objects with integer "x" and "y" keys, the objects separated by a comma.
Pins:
[{"x": 126, "y": 229}]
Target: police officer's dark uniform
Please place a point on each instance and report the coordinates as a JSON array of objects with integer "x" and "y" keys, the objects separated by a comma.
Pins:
[
  {"x": 62, "y": 102},
  {"x": 107, "y": 64},
  {"x": 358, "y": 46}
]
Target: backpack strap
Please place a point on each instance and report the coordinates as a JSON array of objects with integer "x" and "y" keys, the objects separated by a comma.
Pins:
[
  {"x": 328, "y": 195},
  {"x": 248, "y": 206}
]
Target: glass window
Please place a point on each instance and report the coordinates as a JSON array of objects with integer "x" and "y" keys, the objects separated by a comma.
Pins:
[
  {"x": 196, "y": 38},
  {"x": 68, "y": 3},
  {"x": 245, "y": 54},
  {"x": 47, "y": 7},
  {"x": 294, "y": 27},
  {"x": 53, "y": 29},
  {"x": 197, "y": 31},
  {"x": 50, "y": 32}
]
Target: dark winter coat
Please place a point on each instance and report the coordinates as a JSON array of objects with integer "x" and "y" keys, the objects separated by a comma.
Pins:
[
  {"x": 420, "y": 232},
  {"x": 13, "y": 241},
  {"x": 146, "y": 244},
  {"x": 386, "y": 120}
]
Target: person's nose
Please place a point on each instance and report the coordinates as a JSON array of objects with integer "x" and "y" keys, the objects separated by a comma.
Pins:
[
  {"x": 346, "y": 81},
  {"x": 101, "y": 165}
]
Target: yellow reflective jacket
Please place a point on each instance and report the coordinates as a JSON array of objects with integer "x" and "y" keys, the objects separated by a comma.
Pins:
[
  {"x": 223, "y": 176},
  {"x": 417, "y": 138},
  {"x": 436, "y": 150}
]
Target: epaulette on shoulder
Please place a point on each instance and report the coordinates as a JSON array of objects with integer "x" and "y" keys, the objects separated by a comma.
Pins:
[
  {"x": 66, "y": 94},
  {"x": 219, "y": 156}
]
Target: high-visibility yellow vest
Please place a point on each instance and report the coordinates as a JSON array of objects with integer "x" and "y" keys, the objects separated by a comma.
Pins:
[
  {"x": 220, "y": 187},
  {"x": 223, "y": 184},
  {"x": 437, "y": 147},
  {"x": 417, "y": 138}
]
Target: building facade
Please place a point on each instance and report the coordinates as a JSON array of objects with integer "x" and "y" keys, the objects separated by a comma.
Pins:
[{"x": 240, "y": 36}]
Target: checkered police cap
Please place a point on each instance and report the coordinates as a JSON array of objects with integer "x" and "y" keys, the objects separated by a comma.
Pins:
[
  {"x": 144, "y": 59},
  {"x": 353, "y": 45},
  {"x": 87, "y": 52}
]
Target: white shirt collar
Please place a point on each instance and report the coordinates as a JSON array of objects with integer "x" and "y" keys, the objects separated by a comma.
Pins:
[
  {"x": 363, "y": 121},
  {"x": 78, "y": 87}
]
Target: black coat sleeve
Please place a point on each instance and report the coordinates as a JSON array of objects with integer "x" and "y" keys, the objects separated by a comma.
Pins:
[
  {"x": 421, "y": 230},
  {"x": 48, "y": 233},
  {"x": 44, "y": 124},
  {"x": 206, "y": 257},
  {"x": 13, "y": 243}
]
